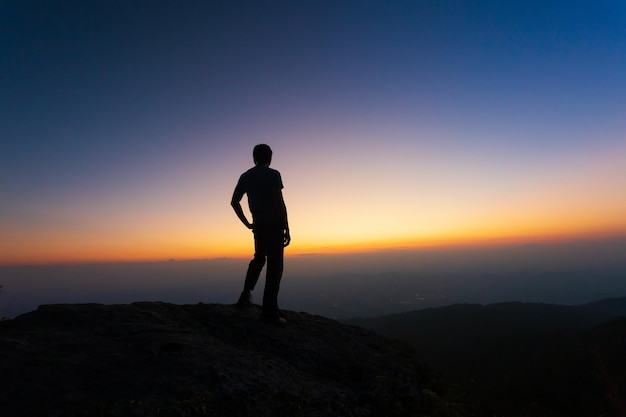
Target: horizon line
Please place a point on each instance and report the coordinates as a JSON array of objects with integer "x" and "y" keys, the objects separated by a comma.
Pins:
[{"x": 349, "y": 250}]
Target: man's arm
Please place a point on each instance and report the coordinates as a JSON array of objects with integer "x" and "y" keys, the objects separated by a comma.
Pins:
[
  {"x": 235, "y": 202},
  {"x": 280, "y": 203}
]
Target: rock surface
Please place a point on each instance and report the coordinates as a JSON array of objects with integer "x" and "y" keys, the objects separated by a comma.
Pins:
[{"x": 157, "y": 359}]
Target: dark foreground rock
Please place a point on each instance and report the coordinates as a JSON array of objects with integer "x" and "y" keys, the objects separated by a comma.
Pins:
[{"x": 157, "y": 359}]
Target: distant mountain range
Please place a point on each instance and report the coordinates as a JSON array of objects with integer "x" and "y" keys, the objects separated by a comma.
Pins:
[{"x": 524, "y": 359}]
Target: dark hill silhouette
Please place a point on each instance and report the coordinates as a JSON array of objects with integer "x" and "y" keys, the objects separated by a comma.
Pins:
[
  {"x": 610, "y": 307},
  {"x": 524, "y": 359},
  {"x": 157, "y": 359},
  {"x": 607, "y": 344}
]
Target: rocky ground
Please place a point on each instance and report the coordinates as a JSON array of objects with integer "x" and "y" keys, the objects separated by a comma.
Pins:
[{"x": 157, "y": 359}]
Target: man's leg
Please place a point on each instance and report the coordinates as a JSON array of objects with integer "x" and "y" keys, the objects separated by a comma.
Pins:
[
  {"x": 254, "y": 268},
  {"x": 274, "y": 273}
]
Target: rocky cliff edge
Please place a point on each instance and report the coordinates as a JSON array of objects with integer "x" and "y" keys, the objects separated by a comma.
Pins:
[{"x": 158, "y": 359}]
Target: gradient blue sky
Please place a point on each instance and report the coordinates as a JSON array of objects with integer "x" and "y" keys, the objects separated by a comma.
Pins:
[{"x": 124, "y": 125}]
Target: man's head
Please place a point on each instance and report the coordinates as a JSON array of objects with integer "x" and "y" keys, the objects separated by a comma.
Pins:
[{"x": 262, "y": 154}]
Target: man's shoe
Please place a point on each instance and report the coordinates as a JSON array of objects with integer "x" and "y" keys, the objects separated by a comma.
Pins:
[
  {"x": 273, "y": 318},
  {"x": 245, "y": 299}
]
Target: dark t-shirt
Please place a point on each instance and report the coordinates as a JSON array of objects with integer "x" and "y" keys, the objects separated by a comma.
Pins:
[{"x": 261, "y": 183}]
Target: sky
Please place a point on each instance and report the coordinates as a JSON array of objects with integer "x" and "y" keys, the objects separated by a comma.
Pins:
[{"x": 124, "y": 125}]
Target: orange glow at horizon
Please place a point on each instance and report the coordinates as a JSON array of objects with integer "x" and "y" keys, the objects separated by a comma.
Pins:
[
  {"x": 337, "y": 211},
  {"x": 106, "y": 252}
]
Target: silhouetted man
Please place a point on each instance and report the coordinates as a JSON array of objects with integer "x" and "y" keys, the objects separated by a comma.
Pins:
[{"x": 263, "y": 186}]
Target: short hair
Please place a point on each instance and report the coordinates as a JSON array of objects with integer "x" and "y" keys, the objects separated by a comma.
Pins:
[{"x": 262, "y": 154}]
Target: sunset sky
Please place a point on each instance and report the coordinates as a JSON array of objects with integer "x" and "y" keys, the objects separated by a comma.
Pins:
[{"x": 124, "y": 125}]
